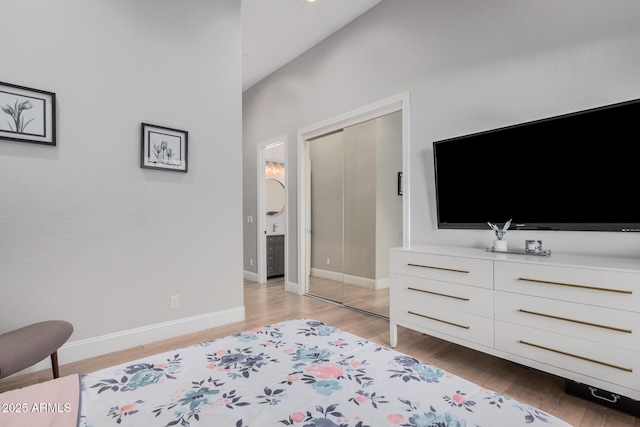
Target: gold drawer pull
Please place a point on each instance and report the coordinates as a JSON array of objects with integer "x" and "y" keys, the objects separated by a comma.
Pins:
[
  {"x": 627, "y": 331},
  {"x": 576, "y": 286},
  {"x": 438, "y": 268},
  {"x": 577, "y": 357},
  {"x": 439, "y": 294},
  {"x": 439, "y": 320}
]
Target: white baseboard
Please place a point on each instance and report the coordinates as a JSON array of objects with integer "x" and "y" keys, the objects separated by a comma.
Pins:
[
  {"x": 251, "y": 276},
  {"x": 360, "y": 281},
  {"x": 83, "y": 349},
  {"x": 351, "y": 280},
  {"x": 382, "y": 283},
  {"x": 326, "y": 274}
]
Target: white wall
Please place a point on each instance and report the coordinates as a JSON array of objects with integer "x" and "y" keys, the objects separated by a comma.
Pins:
[
  {"x": 469, "y": 66},
  {"x": 88, "y": 236}
]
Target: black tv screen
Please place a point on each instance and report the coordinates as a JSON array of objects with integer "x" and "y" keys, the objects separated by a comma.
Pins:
[{"x": 579, "y": 171}]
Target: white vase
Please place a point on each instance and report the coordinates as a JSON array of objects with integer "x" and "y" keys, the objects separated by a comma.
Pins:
[{"x": 500, "y": 245}]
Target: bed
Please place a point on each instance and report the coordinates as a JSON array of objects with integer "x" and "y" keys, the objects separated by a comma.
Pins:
[{"x": 295, "y": 373}]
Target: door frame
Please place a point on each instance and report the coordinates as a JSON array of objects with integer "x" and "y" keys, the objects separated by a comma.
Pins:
[
  {"x": 400, "y": 102},
  {"x": 261, "y": 209}
]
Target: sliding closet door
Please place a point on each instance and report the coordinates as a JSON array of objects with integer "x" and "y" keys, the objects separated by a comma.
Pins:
[
  {"x": 327, "y": 166},
  {"x": 356, "y": 212},
  {"x": 372, "y": 210}
]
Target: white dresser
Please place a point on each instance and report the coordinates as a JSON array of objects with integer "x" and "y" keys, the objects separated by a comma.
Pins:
[{"x": 577, "y": 317}]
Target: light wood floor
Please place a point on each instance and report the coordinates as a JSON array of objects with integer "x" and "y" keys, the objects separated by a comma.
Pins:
[{"x": 268, "y": 303}]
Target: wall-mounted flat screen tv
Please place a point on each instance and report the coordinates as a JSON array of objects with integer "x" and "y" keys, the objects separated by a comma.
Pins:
[{"x": 579, "y": 172}]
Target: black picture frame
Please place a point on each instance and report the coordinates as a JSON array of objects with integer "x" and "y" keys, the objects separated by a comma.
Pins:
[
  {"x": 164, "y": 148},
  {"x": 27, "y": 114}
]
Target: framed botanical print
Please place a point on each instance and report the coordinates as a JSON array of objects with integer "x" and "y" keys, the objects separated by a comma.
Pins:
[
  {"x": 27, "y": 115},
  {"x": 164, "y": 148}
]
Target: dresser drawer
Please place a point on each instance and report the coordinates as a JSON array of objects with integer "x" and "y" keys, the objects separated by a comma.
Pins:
[
  {"x": 598, "y": 324},
  {"x": 619, "y": 366},
  {"x": 467, "y": 271},
  {"x": 459, "y": 324},
  {"x": 620, "y": 290},
  {"x": 426, "y": 293}
]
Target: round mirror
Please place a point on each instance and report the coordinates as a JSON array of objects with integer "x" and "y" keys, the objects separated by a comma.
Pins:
[{"x": 274, "y": 191}]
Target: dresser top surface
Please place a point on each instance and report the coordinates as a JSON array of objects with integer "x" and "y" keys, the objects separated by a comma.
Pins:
[{"x": 558, "y": 259}]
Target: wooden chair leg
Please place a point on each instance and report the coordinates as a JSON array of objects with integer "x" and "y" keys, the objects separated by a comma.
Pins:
[{"x": 54, "y": 364}]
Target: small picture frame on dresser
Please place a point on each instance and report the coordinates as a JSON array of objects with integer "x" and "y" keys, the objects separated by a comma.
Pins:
[{"x": 533, "y": 246}]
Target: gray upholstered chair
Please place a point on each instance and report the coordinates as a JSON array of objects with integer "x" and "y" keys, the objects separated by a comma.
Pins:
[{"x": 27, "y": 346}]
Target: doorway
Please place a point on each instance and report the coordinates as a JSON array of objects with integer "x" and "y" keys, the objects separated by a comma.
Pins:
[
  {"x": 272, "y": 209},
  {"x": 355, "y": 271}
]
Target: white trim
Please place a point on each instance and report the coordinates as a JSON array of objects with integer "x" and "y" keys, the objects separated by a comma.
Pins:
[
  {"x": 261, "y": 248},
  {"x": 363, "y": 282},
  {"x": 96, "y": 346},
  {"x": 382, "y": 284},
  {"x": 290, "y": 286},
  {"x": 349, "y": 279},
  {"x": 400, "y": 102},
  {"x": 327, "y": 274},
  {"x": 251, "y": 276}
]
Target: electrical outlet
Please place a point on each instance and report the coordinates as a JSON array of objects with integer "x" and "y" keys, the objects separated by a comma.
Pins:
[
  {"x": 175, "y": 301},
  {"x": 251, "y": 262},
  {"x": 328, "y": 261}
]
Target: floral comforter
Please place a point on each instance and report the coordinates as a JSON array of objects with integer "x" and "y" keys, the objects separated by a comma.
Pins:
[{"x": 296, "y": 373}]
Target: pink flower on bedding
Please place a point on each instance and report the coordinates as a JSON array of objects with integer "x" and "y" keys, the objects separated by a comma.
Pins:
[
  {"x": 297, "y": 417},
  {"x": 292, "y": 378},
  {"x": 354, "y": 363},
  {"x": 324, "y": 372},
  {"x": 395, "y": 418},
  {"x": 288, "y": 351},
  {"x": 361, "y": 399},
  {"x": 459, "y": 400},
  {"x": 127, "y": 408}
]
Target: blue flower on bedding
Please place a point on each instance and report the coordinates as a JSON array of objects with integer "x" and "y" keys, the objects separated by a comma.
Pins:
[
  {"x": 143, "y": 378},
  {"x": 239, "y": 362},
  {"x": 324, "y": 330},
  {"x": 195, "y": 398},
  {"x": 312, "y": 354},
  {"x": 322, "y": 422},
  {"x": 314, "y": 323},
  {"x": 316, "y": 328},
  {"x": 141, "y": 375},
  {"x": 255, "y": 361},
  {"x": 326, "y": 387},
  {"x": 414, "y": 370},
  {"x": 407, "y": 361},
  {"x": 245, "y": 338},
  {"x": 132, "y": 369},
  {"x": 432, "y": 419},
  {"x": 232, "y": 358},
  {"x": 428, "y": 373}
]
